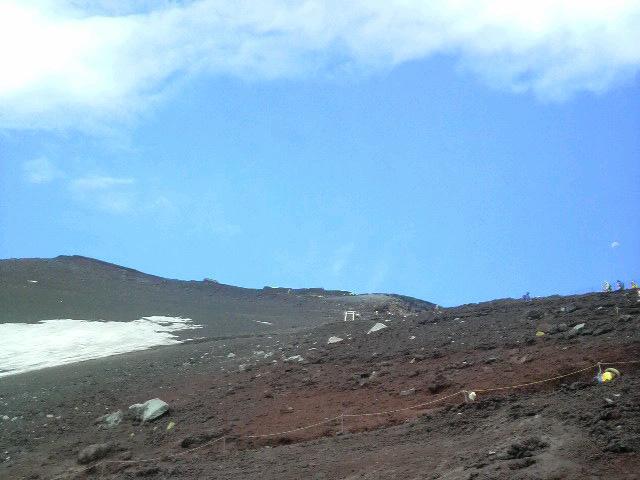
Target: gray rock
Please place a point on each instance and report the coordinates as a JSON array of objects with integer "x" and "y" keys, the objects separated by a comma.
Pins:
[
  {"x": 149, "y": 410},
  {"x": 95, "y": 452},
  {"x": 110, "y": 420},
  {"x": 579, "y": 326},
  {"x": 602, "y": 330},
  {"x": 572, "y": 333},
  {"x": 405, "y": 393}
]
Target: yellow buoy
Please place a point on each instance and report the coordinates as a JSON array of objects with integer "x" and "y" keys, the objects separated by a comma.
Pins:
[
  {"x": 607, "y": 377},
  {"x": 613, "y": 371}
]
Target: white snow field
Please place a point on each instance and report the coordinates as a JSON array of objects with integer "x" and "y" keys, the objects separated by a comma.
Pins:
[{"x": 25, "y": 347}]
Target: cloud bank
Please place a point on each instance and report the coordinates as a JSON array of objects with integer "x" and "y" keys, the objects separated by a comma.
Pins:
[{"x": 81, "y": 64}]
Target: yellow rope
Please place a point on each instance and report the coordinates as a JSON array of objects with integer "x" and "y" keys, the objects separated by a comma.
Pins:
[{"x": 537, "y": 382}]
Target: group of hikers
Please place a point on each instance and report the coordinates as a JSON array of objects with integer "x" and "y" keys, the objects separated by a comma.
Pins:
[{"x": 606, "y": 286}]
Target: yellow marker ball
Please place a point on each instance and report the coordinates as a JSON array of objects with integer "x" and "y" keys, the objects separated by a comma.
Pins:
[{"x": 607, "y": 376}]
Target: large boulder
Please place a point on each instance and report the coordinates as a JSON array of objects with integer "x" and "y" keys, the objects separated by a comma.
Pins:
[
  {"x": 149, "y": 410},
  {"x": 95, "y": 452}
]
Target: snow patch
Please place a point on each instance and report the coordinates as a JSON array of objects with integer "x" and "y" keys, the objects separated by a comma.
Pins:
[{"x": 25, "y": 347}]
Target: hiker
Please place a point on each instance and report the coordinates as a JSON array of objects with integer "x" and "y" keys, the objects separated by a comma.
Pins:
[
  {"x": 619, "y": 285},
  {"x": 606, "y": 287},
  {"x": 634, "y": 284},
  {"x": 526, "y": 297}
]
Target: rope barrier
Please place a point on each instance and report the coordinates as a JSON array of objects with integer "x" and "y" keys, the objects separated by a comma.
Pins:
[
  {"x": 511, "y": 387},
  {"x": 620, "y": 363},
  {"x": 354, "y": 415},
  {"x": 419, "y": 405},
  {"x": 291, "y": 431}
]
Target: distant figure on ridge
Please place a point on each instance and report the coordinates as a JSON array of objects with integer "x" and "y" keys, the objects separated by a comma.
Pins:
[
  {"x": 634, "y": 284},
  {"x": 606, "y": 287},
  {"x": 619, "y": 285},
  {"x": 526, "y": 297}
]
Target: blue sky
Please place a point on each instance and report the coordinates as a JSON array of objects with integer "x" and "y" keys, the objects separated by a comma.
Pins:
[{"x": 395, "y": 154}]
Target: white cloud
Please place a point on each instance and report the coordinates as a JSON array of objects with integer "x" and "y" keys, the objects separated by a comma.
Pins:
[
  {"x": 40, "y": 170},
  {"x": 110, "y": 194},
  {"x": 615, "y": 244},
  {"x": 99, "y": 182},
  {"x": 65, "y": 65}
]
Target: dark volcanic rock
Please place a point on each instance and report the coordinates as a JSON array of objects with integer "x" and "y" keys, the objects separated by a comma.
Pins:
[
  {"x": 95, "y": 452},
  {"x": 526, "y": 448}
]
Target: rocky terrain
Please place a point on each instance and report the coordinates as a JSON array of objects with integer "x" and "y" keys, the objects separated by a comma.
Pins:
[{"x": 230, "y": 397}]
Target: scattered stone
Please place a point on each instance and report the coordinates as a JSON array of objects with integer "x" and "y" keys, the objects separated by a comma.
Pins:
[
  {"x": 617, "y": 445},
  {"x": 438, "y": 385},
  {"x": 294, "y": 358},
  {"x": 231, "y": 355},
  {"x": 524, "y": 463},
  {"x": 286, "y": 409},
  {"x": 602, "y": 330},
  {"x": 571, "y": 333},
  {"x": 569, "y": 308},
  {"x": 378, "y": 326},
  {"x": 534, "y": 314},
  {"x": 95, "y": 452},
  {"x": 625, "y": 318},
  {"x": 147, "y": 471},
  {"x": 149, "y": 410},
  {"x": 578, "y": 386},
  {"x": 405, "y": 393},
  {"x": 526, "y": 448},
  {"x": 579, "y": 326},
  {"x": 334, "y": 340},
  {"x": 202, "y": 438},
  {"x": 110, "y": 420}
]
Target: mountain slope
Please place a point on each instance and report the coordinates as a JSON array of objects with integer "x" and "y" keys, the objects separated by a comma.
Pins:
[
  {"x": 84, "y": 288},
  {"x": 569, "y": 427}
]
